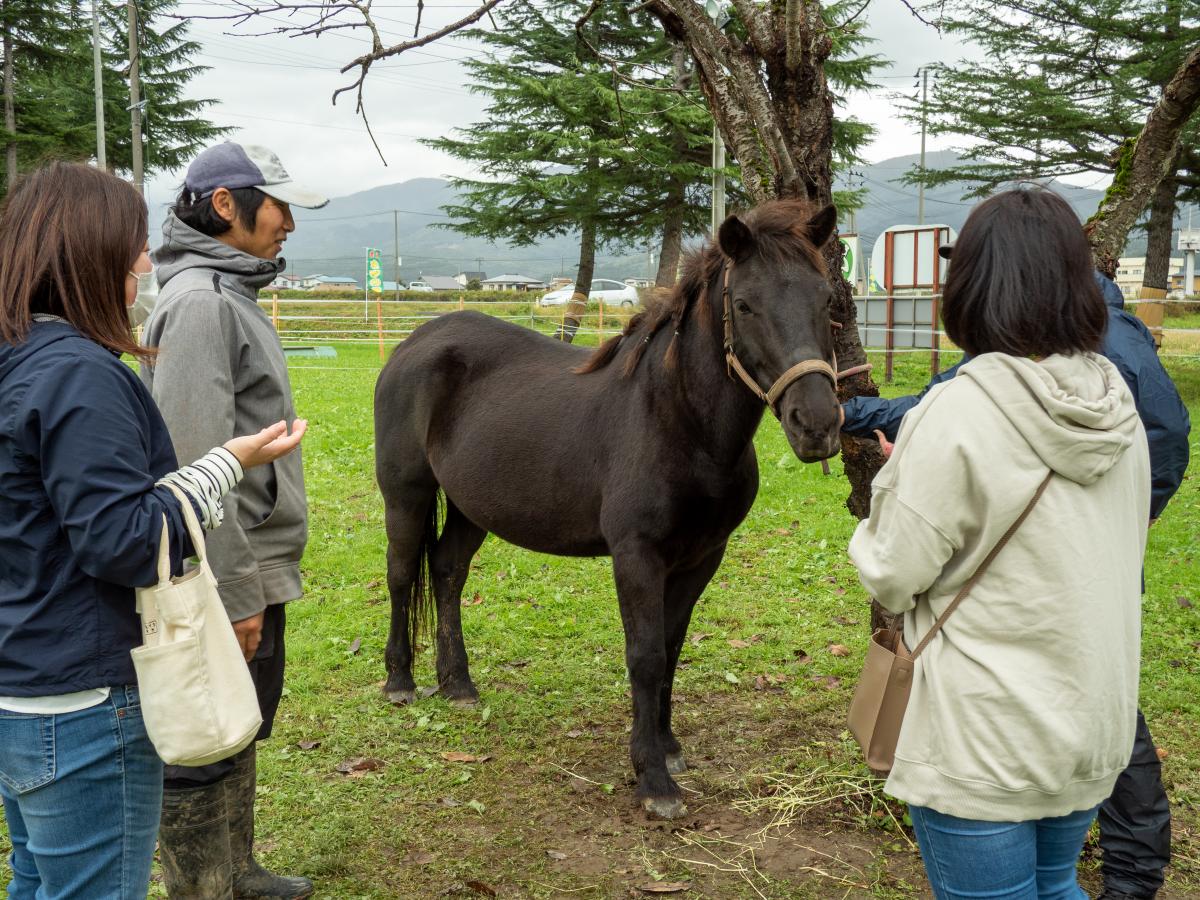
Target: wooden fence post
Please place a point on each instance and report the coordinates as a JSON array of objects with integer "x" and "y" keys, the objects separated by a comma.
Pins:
[
  {"x": 275, "y": 311},
  {"x": 600, "y": 329},
  {"x": 379, "y": 316},
  {"x": 460, "y": 301}
]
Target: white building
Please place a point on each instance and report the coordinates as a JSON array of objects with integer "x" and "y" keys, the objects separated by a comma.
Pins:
[{"x": 513, "y": 283}]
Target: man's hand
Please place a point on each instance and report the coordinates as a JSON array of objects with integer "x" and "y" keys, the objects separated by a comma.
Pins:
[
  {"x": 884, "y": 444},
  {"x": 249, "y": 635}
]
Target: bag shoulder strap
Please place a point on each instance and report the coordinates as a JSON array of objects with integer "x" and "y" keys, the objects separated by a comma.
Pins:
[
  {"x": 983, "y": 567},
  {"x": 193, "y": 525}
]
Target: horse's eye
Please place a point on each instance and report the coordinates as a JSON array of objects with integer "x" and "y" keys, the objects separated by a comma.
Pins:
[{"x": 742, "y": 307}]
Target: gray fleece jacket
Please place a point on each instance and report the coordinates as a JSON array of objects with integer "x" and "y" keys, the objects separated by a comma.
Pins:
[{"x": 221, "y": 372}]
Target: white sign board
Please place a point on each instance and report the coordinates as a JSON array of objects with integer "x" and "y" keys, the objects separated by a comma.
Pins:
[{"x": 913, "y": 260}]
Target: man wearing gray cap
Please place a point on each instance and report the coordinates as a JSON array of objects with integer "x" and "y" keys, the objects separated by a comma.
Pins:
[{"x": 220, "y": 366}]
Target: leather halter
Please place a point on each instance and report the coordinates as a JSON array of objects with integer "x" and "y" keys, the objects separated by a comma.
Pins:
[{"x": 784, "y": 381}]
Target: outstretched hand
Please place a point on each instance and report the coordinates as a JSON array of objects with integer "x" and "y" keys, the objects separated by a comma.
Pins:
[
  {"x": 268, "y": 445},
  {"x": 885, "y": 445}
]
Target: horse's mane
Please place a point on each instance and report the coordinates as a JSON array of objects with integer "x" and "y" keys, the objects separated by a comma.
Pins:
[{"x": 780, "y": 230}]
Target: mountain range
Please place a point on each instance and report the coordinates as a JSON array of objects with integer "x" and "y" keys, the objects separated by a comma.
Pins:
[{"x": 332, "y": 240}]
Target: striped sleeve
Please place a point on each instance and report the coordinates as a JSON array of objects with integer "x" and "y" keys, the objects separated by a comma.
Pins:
[{"x": 206, "y": 481}]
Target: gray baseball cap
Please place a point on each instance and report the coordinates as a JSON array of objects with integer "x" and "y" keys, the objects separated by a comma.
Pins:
[{"x": 233, "y": 166}]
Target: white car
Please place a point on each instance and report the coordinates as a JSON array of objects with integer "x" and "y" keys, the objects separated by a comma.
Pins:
[
  {"x": 420, "y": 286},
  {"x": 611, "y": 292}
]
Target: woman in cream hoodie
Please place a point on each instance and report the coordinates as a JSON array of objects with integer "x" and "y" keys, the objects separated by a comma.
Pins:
[{"x": 1023, "y": 706}]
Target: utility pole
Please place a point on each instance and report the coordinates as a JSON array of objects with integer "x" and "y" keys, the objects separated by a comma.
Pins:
[
  {"x": 135, "y": 101},
  {"x": 98, "y": 74},
  {"x": 924, "y": 116},
  {"x": 396, "y": 247},
  {"x": 713, "y": 8}
]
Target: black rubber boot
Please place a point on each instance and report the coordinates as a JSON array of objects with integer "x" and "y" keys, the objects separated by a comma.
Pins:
[
  {"x": 250, "y": 880},
  {"x": 193, "y": 844}
]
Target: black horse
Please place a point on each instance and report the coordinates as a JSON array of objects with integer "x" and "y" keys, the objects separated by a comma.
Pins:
[{"x": 642, "y": 451}]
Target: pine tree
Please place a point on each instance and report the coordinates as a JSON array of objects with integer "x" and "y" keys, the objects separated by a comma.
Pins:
[
  {"x": 573, "y": 145},
  {"x": 53, "y": 85}
]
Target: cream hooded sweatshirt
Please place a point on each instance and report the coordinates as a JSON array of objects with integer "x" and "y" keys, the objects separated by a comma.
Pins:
[{"x": 1023, "y": 706}]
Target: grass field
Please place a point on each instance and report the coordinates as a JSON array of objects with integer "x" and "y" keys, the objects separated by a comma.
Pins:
[{"x": 529, "y": 794}]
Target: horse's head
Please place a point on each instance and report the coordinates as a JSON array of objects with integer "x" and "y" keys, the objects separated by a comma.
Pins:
[{"x": 777, "y": 327}]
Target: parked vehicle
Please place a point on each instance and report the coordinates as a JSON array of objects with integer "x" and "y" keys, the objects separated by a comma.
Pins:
[
  {"x": 419, "y": 286},
  {"x": 611, "y": 292}
]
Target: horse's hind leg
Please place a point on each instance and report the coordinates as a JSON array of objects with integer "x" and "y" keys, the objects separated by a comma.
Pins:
[
  {"x": 411, "y": 527},
  {"x": 683, "y": 590},
  {"x": 449, "y": 566}
]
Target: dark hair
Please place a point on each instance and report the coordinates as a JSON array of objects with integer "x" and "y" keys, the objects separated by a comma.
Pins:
[
  {"x": 1021, "y": 279},
  {"x": 198, "y": 213},
  {"x": 69, "y": 235}
]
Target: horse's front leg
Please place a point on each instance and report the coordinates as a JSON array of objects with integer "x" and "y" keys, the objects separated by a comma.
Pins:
[
  {"x": 683, "y": 589},
  {"x": 640, "y": 576}
]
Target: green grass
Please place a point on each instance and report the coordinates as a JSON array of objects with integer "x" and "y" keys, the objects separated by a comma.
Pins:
[{"x": 551, "y": 814}]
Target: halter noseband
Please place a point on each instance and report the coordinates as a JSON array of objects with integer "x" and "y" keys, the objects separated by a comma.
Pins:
[{"x": 784, "y": 381}]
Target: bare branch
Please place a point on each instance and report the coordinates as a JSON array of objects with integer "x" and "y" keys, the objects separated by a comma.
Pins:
[{"x": 920, "y": 18}]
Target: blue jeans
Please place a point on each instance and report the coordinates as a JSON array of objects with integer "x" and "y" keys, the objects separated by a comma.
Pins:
[
  {"x": 82, "y": 795},
  {"x": 1036, "y": 860}
]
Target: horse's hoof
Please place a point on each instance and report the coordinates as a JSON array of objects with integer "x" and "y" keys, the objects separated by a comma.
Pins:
[
  {"x": 401, "y": 697},
  {"x": 459, "y": 695},
  {"x": 676, "y": 764},
  {"x": 665, "y": 807}
]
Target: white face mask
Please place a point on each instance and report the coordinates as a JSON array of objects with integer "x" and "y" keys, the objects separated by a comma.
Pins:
[{"x": 147, "y": 295}]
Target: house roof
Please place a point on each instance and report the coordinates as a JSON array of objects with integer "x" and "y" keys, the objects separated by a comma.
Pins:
[
  {"x": 482, "y": 276},
  {"x": 441, "y": 282},
  {"x": 513, "y": 279},
  {"x": 332, "y": 279}
]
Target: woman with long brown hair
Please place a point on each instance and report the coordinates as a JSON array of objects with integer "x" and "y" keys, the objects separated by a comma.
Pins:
[{"x": 85, "y": 463}]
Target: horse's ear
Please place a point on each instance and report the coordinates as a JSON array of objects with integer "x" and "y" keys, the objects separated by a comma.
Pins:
[
  {"x": 735, "y": 239},
  {"x": 820, "y": 227}
]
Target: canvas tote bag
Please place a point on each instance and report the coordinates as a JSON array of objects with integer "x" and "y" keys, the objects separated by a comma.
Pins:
[
  {"x": 881, "y": 696},
  {"x": 198, "y": 701}
]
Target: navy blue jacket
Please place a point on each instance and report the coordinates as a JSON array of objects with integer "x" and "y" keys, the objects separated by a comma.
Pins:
[
  {"x": 81, "y": 445},
  {"x": 1128, "y": 344}
]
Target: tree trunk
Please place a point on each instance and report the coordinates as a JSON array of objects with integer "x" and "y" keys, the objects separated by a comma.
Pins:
[
  {"x": 672, "y": 237},
  {"x": 1156, "y": 280},
  {"x": 1142, "y": 163},
  {"x": 10, "y": 114},
  {"x": 577, "y": 305}
]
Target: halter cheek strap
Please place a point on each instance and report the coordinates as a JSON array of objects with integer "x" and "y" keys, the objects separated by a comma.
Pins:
[{"x": 784, "y": 381}]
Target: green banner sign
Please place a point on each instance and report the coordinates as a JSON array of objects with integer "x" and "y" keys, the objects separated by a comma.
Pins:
[{"x": 374, "y": 272}]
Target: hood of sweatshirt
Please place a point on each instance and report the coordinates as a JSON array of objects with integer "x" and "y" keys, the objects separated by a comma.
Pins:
[
  {"x": 1074, "y": 411},
  {"x": 184, "y": 248}
]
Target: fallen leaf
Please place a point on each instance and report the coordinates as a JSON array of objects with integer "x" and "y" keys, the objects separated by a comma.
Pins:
[
  {"x": 556, "y": 854},
  {"x": 783, "y": 531},
  {"x": 474, "y": 601},
  {"x": 359, "y": 765},
  {"x": 371, "y": 585},
  {"x": 477, "y": 806},
  {"x": 1175, "y": 663},
  {"x": 732, "y": 679},
  {"x": 574, "y": 733},
  {"x": 760, "y": 683},
  {"x": 697, "y": 638},
  {"x": 802, "y": 657},
  {"x": 739, "y": 644},
  {"x": 723, "y": 584},
  {"x": 426, "y": 692},
  {"x": 421, "y": 858},
  {"x": 1184, "y": 602},
  {"x": 664, "y": 887},
  {"x": 840, "y": 591},
  {"x": 449, "y": 802},
  {"x": 1162, "y": 754},
  {"x": 480, "y": 888},
  {"x": 839, "y": 649},
  {"x": 830, "y": 681},
  {"x": 355, "y": 646},
  {"x": 309, "y": 745},
  {"x": 459, "y": 756}
]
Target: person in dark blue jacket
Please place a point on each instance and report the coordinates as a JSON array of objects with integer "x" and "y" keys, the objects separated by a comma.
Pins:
[
  {"x": 85, "y": 464},
  {"x": 1135, "y": 822}
]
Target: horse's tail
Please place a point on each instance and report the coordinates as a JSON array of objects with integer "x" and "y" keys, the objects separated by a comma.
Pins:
[{"x": 421, "y": 602}]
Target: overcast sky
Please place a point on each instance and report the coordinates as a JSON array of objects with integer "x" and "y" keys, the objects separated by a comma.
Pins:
[{"x": 276, "y": 91}]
